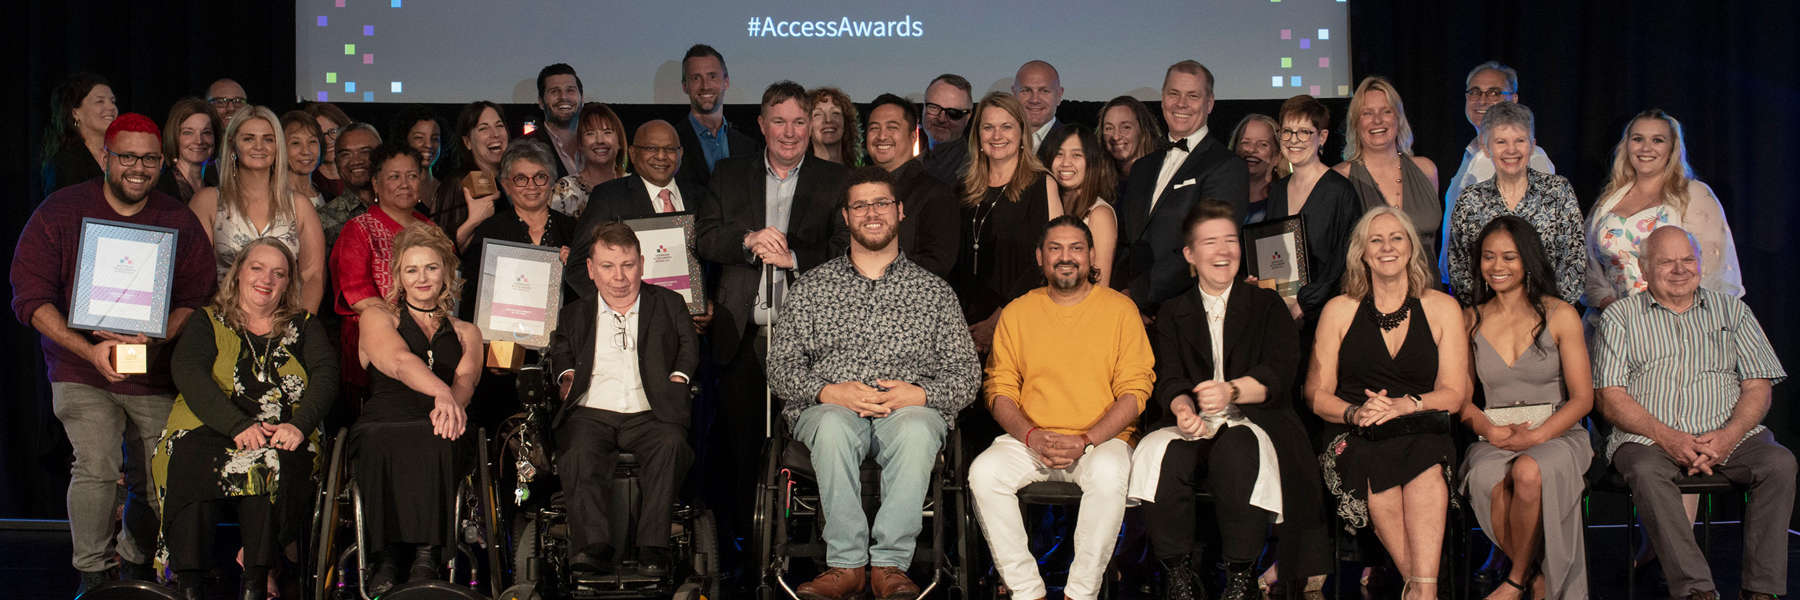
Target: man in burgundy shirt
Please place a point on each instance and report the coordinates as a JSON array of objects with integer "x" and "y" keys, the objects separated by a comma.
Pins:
[{"x": 99, "y": 407}]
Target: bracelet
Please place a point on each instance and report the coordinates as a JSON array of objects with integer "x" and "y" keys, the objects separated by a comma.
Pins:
[
  {"x": 1418, "y": 403},
  {"x": 1350, "y": 414},
  {"x": 1028, "y": 436}
]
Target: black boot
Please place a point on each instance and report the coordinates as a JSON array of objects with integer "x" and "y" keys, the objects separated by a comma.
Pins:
[
  {"x": 1179, "y": 582},
  {"x": 130, "y": 571},
  {"x": 385, "y": 572},
  {"x": 1240, "y": 582},
  {"x": 91, "y": 580},
  {"x": 255, "y": 584},
  {"x": 192, "y": 584},
  {"x": 425, "y": 563}
]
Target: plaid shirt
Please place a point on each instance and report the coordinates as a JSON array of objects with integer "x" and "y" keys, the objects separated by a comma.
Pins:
[{"x": 1684, "y": 368}]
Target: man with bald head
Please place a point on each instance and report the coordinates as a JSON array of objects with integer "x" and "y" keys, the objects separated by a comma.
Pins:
[
  {"x": 653, "y": 189},
  {"x": 1685, "y": 375},
  {"x": 226, "y": 96},
  {"x": 1039, "y": 88}
]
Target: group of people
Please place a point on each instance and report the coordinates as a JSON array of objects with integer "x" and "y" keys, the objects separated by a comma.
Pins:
[{"x": 1098, "y": 307}]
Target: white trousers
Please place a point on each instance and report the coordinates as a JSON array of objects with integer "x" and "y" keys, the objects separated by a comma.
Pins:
[{"x": 997, "y": 475}]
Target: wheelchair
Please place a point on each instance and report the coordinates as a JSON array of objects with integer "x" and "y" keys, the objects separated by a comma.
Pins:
[
  {"x": 788, "y": 524},
  {"x": 340, "y": 565},
  {"x": 540, "y": 546}
]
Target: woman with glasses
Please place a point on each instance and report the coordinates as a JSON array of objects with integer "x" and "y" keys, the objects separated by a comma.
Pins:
[
  {"x": 364, "y": 253},
  {"x": 602, "y": 137},
  {"x": 254, "y": 201},
  {"x": 1324, "y": 198},
  {"x": 332, "y": 122}
]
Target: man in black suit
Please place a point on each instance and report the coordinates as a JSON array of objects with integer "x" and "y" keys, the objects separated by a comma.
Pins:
[
  {"x": 947, "y": 105},
  {"x": 559, "y": 94},
  {"x": 1039, "y": 87},
  {"x": 1149, "y": 263},
  {"x": 622, "y": 373},
  {"x": 652, "y": 190},
  {"x": 929, "y": 233},
  {"x": 770, "y": 218},
  {"x": 705, "y": 136}
]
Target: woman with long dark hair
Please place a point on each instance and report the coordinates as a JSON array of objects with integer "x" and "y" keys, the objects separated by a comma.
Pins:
[
  {"x": 80, "y": 109},
  {"x": 481, "y": 137},
  {"x": 1524, "y": 479},
  {"x": 1085, "y": 177}
]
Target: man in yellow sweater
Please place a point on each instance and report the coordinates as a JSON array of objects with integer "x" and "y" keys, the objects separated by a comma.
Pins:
[{"x": 1068, "y": 375}]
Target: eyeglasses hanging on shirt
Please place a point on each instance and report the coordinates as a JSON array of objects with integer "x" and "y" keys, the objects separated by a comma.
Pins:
[{"x": 621, "y": 334}]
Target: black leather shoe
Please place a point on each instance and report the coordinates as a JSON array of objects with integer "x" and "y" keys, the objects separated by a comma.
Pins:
[
  {"x": 384, "y": 574},
  {"x": 1179, "y": 582},
  {"x": 425, "y": 564},
  {"x": 91, "y": 580},
  {"x": 595, "y": 559},
  {"x": 1240, "y": 583},
  {"x": 653, "y": 561},
  {"x": 130, "y": 571}
]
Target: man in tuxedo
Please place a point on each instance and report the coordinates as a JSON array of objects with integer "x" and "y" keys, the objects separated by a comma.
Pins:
[
  {"x": 1149, "y": 264},
  {"x": 771, "y": 217},
  {"x": 559, "y": 95},
  {"x": 928, "y": 232},
  {"x": 705, "y": 136},
  {"x": 1039, "y": 88},
  {"x": 948, "y": 101},
  {"x": 622, "y": 359}
]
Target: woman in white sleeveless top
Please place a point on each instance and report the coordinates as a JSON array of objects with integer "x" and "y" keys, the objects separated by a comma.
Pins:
[{"x": 254, "y": 200}]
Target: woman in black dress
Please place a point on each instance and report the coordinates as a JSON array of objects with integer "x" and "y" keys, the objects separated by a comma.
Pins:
[
  {"x": 1388, "y": 347},
  {"x": 82, "y": 108},
  {"x": 481, "y": 137},
  {"x": 1007, "y": 201},
  {"x": 256, "y": 374},
  {"x": 409, "y": 448}
]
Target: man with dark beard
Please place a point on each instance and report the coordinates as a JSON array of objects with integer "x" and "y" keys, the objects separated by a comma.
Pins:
[
  {"x": 889, "y": 337},
  {"x": 1069, "y": 373},
  {"x": 97, "y": 405},
  {"x": 559, "y": 94}
]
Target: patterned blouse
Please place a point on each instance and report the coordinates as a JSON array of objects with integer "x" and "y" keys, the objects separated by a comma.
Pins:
[
  {"x": 232, "y": 231},
  {"x": 839, "y": 325},
  {"x": 1612, "y": 246},
  {"x": 569, "y": 196},
  {"x": 1549, "y": 205}
]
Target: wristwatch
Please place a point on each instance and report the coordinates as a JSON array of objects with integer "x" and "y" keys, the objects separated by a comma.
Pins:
[
  {"x": 1090, "y": 443},
  {"x": 1418, "y": 403},
  {"x": 1234, "y": 391}
]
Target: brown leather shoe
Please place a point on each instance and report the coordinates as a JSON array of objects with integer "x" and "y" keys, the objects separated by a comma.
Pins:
[
  {"x": 1702, "y": 595},
  {"x": 891, "y": 583},
  {"x": 1749, "y": 595},
  {"x": 834, "y": 584}
]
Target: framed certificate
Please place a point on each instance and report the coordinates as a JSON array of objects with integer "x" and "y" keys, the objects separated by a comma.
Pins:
[
  {"x": 520, "y": 293},
  {"x": 124, "y": 278},
  {"x": 1276, "y": 253},
  {"x": 669, "y": 261}
]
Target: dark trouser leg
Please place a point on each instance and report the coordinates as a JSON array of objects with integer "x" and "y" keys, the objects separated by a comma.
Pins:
[
  {"x": 588, "y": 451},
  {"x": 188, "y": 533},
  {"x": 737, "y": 435},
  {"x": 1768, "y": 468},
  {"x": 260, "y": 529},
  {"x": 1232, "y": 469},
  {"x": 1171, "y": 516},
  {"x": 663, "y": 459},
  {"x": 1651, "y": 475}
]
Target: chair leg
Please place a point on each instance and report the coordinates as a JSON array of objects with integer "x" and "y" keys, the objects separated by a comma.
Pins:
[
  {"x": 1706, "y": 518},
  {"x": 1631, "y": 549}
]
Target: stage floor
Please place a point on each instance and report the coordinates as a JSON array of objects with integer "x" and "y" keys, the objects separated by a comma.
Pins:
[{"x": 34, "y": 565}]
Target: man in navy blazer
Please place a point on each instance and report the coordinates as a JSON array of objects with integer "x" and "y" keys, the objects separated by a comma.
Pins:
[
  {"x": 622, "y": 359},
  {"x": 1167, "y": 184}
]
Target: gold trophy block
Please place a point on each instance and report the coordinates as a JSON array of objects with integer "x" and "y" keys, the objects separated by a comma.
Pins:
[
  {"x": 131, "y": 359},
  {"x": 505, "y": 355}
]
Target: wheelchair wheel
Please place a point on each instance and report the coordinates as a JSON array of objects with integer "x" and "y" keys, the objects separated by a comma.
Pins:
[
  {"x": 327, "y": 516},
  {"x": 688, "y": 591},
  {"x": 490, "y": 517},
  {"x": 706, "y": 559},
  {"x": 525, "y": 551}
]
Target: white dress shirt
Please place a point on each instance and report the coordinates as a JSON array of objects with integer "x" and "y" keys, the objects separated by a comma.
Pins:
[
  {"x": 1476, "y": 167},
  {"x": 616, "y": 384},
  {"x": 674, "y": 195},
  {"x": 1037, "y": 137},
  {"x": 1172, "y": 162}
]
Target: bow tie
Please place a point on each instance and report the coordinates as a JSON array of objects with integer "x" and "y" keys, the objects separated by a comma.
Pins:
[{"x": 1182, "y": 145}]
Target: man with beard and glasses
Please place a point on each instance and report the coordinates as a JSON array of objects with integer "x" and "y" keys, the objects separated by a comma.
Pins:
[
  {"x": 559, "y": 94},
  {"x": 355, "y": 146},
  {"x": 99, "y": 407},
  {"x": 705, "y": 136},
  {"x": 1069, "y": 373},
  {"x": 929, "y": 234},
  {"x": 872, "y": 359}
]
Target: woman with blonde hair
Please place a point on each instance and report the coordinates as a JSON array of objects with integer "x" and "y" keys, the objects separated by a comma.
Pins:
[
  {"x": 409, "y": 447},
  {"x": 254, "y": 201},
  {"x": 1379, "y": 161},
  {"x": 256, "y": 374},
  {"x": 191, "y": 143},
  {"x": 1388, "y": 348},
  {"x": 835, "y": 133},
  {"x": 1007, "y": 202}
]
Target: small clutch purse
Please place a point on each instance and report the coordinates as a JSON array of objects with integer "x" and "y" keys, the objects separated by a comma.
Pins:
[
  {"x": 1428, "y": 421},
  {"x": 1520, "y": 412}
]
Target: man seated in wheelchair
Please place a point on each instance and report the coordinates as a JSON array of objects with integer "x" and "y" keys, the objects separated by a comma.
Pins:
[
  {"x": 622, "y": 359},
  {"x": 872, "y": 357}
]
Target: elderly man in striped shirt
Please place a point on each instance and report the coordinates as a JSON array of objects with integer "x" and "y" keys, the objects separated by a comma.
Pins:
[{"x": 1685, "y": 376}]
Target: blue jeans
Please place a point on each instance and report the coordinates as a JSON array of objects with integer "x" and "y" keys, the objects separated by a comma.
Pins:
[{"x": 905, "y": 443}]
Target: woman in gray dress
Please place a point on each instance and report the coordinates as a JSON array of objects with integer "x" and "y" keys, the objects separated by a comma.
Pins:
[
  {"x": 1379, "y": 161},
  {"x": 1524, "y": 479}
]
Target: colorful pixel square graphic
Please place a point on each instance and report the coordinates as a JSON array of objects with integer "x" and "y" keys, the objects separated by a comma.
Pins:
[
  {"x": 394, "y": 87},
  {"x": 368, "y": 30},
  {"x": 323, "y": 21}
]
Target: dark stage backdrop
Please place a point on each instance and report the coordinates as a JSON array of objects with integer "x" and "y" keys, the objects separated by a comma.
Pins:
[{"x": 1724, "y": 68}]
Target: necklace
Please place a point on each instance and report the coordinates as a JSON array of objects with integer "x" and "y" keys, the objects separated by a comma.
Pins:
[
  {"x": 979, "y": 220},
  {"x": 409, "y": 304},
  {"x": 259, "y": 363},
  {"x": 1387, "y": 321}
]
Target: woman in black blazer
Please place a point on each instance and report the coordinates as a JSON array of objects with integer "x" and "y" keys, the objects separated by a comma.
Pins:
[{"x": 1237, "y": 415}]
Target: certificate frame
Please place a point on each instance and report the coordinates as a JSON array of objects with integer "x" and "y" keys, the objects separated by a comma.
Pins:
[
  {"x": 1277, "y": 255},
  {"x": 516, "y": 322},
  {"x": 669, "y": 264},
  {"x": 113, "y": 252}
]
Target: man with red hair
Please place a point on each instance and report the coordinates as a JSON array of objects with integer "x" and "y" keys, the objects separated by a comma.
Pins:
[{"x": 98, "y": 406}]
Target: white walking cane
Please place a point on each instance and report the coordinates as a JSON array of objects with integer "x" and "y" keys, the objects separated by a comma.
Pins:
[{"x": 769, "y": 335}]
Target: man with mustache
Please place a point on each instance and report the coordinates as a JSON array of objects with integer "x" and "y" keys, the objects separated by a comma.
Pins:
[
  {"x": 705, "y": 136},
  {"x": 355, "y": 146},
  {"x": 947, "y": 105},
  {"x": 928, "y": 231},
  {"x": 559, "y": 94},
  {"x": 894, "y": 397},
  {"x": 1069, "y": 373},
  {"x": 99, "y": 407},
  {"x": 1684, "y": 375},
  {"x": 772, "y": 216},
  {"x": 1039, "y": 87}
]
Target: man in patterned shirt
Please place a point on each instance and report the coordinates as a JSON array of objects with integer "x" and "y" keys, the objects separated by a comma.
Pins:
[
  {"x": 871, "y": 356},
  {"x": 355, "y": 146},
  {"x": 1685, "y": 376}
]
